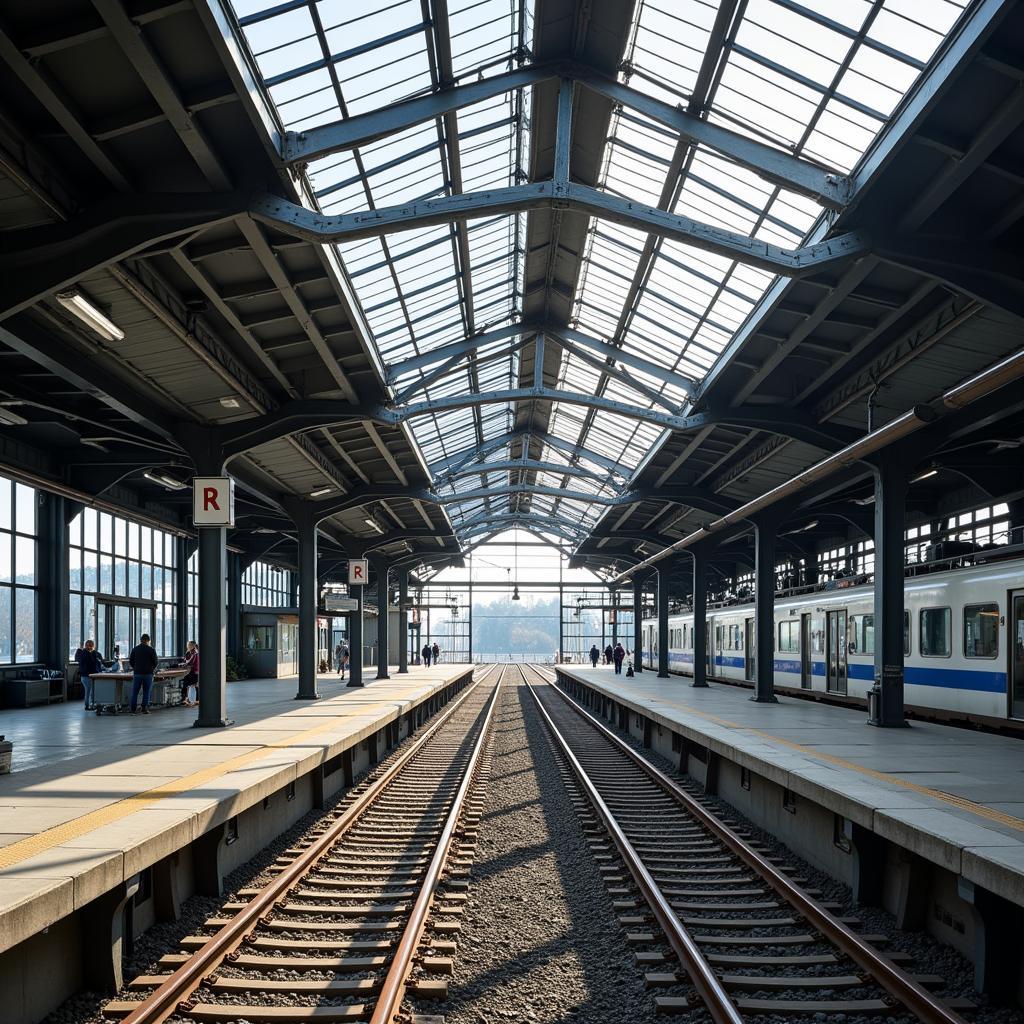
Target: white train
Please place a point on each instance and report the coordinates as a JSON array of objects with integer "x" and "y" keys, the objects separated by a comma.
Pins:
[{"x": 963, "y": 635}]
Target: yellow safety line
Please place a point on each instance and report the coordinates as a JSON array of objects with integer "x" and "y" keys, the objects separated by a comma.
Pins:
[
  {"x": 1009, "y": 820},
  {"x": 21, "y": 850}
]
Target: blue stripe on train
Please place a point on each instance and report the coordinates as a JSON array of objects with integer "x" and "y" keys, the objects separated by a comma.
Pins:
[{"x": 947, "y": 678}]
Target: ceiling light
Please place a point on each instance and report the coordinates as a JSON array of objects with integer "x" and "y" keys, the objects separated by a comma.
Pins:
[
  {"x": 374, "y": 525},
  {"x": 320, "y": 492},
  {"x": 165, "y": 480},
  {"x": 76, "y": 303},
  {"x": 925, "y": 475},
  {"x": 264, "y": 529},
  {"x": 230, "y": 403},
  {"x": 10, "y": 418},
  {"x": 869, "y": 500},
  {"x": 94, "y": 442}
]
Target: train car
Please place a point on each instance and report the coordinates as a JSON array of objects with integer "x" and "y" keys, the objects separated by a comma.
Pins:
[{"x": 963, "y": 632}]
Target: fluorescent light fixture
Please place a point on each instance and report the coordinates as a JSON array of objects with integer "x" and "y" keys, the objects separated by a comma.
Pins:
[
  {"x": 264, "y": 529},
  {"x": 869, "y": 500},
  {"x": 231, "y": 403},
  {"x": 374, "y": 525},
  {"x": 924, "y": 476},
  {"x": 320, "y": 492},
  {"x": 165, "y": 480},
  {"x": 78, "y": 305},
  {"x": 10, "y": 418}
]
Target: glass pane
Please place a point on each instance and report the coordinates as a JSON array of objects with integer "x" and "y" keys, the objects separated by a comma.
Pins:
[
  {"x": 5, "y": 557},
  {"x": 25, "y": 509},
  {"x": 120, "y": 574},
  {"x": 89, "y": 528},
  {"x": 935, "y": 632},
  {"x": 5, "y": 624},
  {"x": 106, "y": 533},
  {"x": 25, "y": 560},
  {"x": 981, "y": 631},
  {"x": 120, "y": 538},
  {"x": 75, "y": 632},
  {"x": 25, "y": 625},
  {"x": 5, "y": 503}
]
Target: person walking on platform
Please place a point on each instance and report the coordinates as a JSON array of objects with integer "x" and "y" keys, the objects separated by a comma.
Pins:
[
  {"x": 89, "y": 661},
  {"x": 618, "y": 655},
  {"x": 143, "y": 662},
  {"x": 595, "y": 655},
  {"x": 337, "y": 656},
  {"x": 426, "y": 653},
  {"x": 343, "y": 659},
  {"x": 435, "y": 652},
  {"x": 191, "y": 678},
  {"x": 608, "y": 652}
]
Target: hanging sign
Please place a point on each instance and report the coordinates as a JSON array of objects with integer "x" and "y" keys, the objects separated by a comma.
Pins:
[
  {"x": 213, "y": 501},
  {"x": 340, "y": 603},
  {"x": 358, "y": 572}
]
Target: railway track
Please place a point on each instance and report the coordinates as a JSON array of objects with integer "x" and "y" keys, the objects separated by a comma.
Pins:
[
  {"x": 360, "y": 912},
  {"x": 751, "y": 943}
]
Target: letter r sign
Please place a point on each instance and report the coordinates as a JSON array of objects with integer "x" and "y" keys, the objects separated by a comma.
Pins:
[
  {"x": 358, "y": 572},
  {"x": 213, "y": 501}
]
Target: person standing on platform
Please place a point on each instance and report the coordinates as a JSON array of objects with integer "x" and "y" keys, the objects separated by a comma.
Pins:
[
  {"x": 436, "y": 652},
  {"x": 143, "y": 662},
  {"x": 595, "y": 655},
  {"x": 89, "y": 661},
  {"x": 338, "y": 647},
  {"x": 608, "y": 652},
  {"x": 618, "y": 656},
  {"x": 343, "y": 660},
  {"x": 191, "y": 678},
  {"x": 426, "y": 652}
]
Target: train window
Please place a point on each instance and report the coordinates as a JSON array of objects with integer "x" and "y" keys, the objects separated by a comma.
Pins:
[
  {"x": 936, "y": 626},
  {"x": 981, "y": 631},
  {"x": 860, "y": 634},
  {"x": 906, "y": 632},
  {"x": 789, "y": 637}
]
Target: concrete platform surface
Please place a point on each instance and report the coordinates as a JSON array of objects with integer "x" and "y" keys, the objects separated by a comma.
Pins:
[
  {"x": 93, "y": 800},
  {"x": 954, "y": 796}
]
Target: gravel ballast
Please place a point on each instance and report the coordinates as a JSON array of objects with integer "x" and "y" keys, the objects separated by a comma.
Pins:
[{"x": 540, "y": 941}]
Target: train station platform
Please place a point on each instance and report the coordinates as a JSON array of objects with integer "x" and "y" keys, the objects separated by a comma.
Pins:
[
  {"x": 933, "y": 812},
  {"x": 94, "y": 802}
]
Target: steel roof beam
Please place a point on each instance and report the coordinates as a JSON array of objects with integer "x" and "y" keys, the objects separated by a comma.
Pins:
[
  {"x": 317, "y": 228},
  {"x": 512, "y": 465}
]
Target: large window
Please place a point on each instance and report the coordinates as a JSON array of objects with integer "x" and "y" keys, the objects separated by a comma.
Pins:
[
  {"x": 110, "y": 557},
  {"x": 192, "y": 596},
  {"x": 860, "y": 634},
  {"x": 981, "y": 631},
  {"x": 18, "y": 597},
  {"x": 789, "y": 637},
  {"x": 936, "y": 626},
  {"x": 266, "y": 586}
]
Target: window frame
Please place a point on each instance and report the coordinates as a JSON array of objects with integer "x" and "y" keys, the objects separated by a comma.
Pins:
[{"x": 963, "y": 631}]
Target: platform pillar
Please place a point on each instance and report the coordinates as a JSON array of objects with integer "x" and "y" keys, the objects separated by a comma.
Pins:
[
  {"x": 54, "y": 626},
  {"x": 184, "y": 548},
  {"x": 108, "y": 930},
  {"x": 383, "y": 624},
  {"x": 614, "y": 595},
  {"x": 663, "y": 574},
  {"x": 355, "y": 638},
  {"x": 764, "y": 611},
  {"x": 309, "y": 587},
  {"x": 638, "y": 626},
  {"x": 700, "y": 620},
  {"x": 890, "y": 505},
  {"x": 403, "y": 621},
  {"x": 234, "y": 613},
  {"x": 212, "y": 633}
]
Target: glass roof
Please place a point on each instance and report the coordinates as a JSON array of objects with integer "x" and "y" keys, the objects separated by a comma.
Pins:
[{"x": 813, "y": 78}]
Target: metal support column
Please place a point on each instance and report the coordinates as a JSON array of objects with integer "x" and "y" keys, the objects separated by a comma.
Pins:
[
  {"x": 184, "y": 547},
  {"x": 309, "y": 587},
  {"x": 764, "y": 611},
  {"x": 403, "y": 621},
  {"x": 614, "y": 595},
  {"x": 212, "y": 633},
  {"x": 469, "y": 616},
  {"x": 663, "y": 574},
  {"x": 561, "y": 624},
  {"x": 383, "y": 624},
  {"x": 53, "y": 631},
  {"x": 355, "y": 638},
  {"x": 890, "y": 504},
  {"x": 638, "y": 626},
  {"x": 700, "y": 619}
]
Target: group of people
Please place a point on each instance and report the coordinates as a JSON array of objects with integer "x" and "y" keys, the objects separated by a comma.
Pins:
[
  {"x": 612, "y": 656},
  {"x": 143, "y": 661},
  {"x": 430, "y": 654}
]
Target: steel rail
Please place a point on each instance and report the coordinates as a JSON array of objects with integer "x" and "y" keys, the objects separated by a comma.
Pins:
[
  {"x": 390, "y": 999},
  {"x": 719, "y": 1005},
  {"x": 183, "y": 982},
  {"x": 896, "y": 982}
]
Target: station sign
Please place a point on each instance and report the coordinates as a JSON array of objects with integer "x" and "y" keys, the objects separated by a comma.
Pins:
[
  {"x": 340, "y": 603},
  {"x": 213, "y": 501},
  {"x": 358, "y": 572}
]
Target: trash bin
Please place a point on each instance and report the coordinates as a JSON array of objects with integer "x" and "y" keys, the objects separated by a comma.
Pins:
[
  {"x": 6, "y": 751},
  {"x": 874, "y": 702}
]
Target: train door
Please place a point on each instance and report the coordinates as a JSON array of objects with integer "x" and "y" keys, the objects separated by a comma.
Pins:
[
  {"x": 749, "y": 648},
  {"x": 835, "y": 653},
  {"x": 709, "y": 646},
  {"x": 806, "y": 663},
  {"x": 1016, "y": 646}
]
